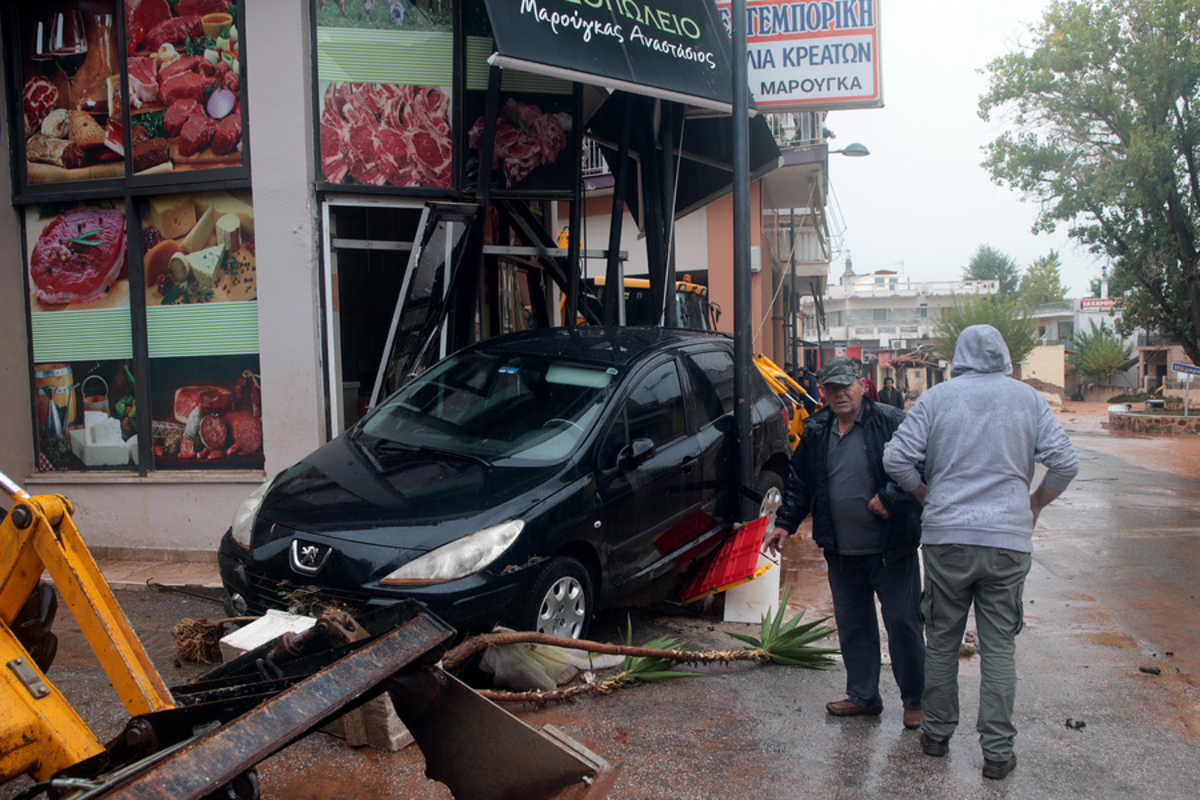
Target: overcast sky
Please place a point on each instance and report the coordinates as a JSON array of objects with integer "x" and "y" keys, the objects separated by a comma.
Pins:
[{"x": 920, "y": 203}]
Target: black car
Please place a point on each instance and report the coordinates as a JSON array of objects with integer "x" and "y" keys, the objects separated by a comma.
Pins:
[{"x": 525, "y": 480}]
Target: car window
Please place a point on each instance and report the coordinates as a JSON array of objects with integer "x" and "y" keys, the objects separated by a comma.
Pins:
[
  {"x": 712, "y": 380},
  {"x": 655, "y": 408},
  {"x": 496, "y": 406}
]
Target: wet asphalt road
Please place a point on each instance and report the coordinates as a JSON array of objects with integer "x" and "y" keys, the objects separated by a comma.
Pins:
[{"x": 1113, "y": 590}]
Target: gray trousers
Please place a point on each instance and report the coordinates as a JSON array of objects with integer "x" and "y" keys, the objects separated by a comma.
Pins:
[{"x": 993, "y": 579}]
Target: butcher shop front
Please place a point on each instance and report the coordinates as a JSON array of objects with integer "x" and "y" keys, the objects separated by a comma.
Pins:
[{"x": 236, "y": 225}]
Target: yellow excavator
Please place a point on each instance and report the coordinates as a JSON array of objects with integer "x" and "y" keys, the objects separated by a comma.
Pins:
[{"x": 201, "y": 741}]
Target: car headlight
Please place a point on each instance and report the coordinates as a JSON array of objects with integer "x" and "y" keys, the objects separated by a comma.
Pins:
[
  {"x": 247, "y": 512},
  {"x": 459, "y": 558}
]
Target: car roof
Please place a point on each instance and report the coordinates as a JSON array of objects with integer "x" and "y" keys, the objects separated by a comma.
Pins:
[{"x": 598, "y": 344}]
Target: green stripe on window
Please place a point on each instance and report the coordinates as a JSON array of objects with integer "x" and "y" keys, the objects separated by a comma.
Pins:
[
  {"x": 82, "y": 335},
  {"x": 417, "y": 58},
  {"x": 215, "y": 329},
  {"x": 479, "y": 48}
]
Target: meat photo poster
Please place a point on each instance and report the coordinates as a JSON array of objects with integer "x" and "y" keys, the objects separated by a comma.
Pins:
[
  {"x": 77, "y": 257},
  {"x": 70, "y": 90},
  {"x": 86, "y": 415},
  {"x": 185, "y": 85},
  {"x": 385, "y": 72},
  {"x": 199, "y": 248},
  {"x": 533, "y": 134},
  {"x": 207, "y": 412}
]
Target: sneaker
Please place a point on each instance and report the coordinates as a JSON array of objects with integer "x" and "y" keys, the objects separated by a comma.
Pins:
[
  {"x": 932, "y": 746},
  {"x": 912, "y": 716},
  {"x": 998, "y": 770},
  {"x": 847, "y": 708}
]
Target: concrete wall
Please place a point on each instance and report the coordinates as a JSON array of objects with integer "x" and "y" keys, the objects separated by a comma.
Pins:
[
  {"x": 1046, "y": 363},
  {"x": 186, "y": 513}
]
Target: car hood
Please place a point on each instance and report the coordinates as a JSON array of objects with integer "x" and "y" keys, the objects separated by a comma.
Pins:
[{"x": 346, "y": 490}]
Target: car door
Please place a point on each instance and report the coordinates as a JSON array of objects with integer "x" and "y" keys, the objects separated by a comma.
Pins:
[
  {"x": 644, "y": 501},
  {"x": 711, "y": 399}
]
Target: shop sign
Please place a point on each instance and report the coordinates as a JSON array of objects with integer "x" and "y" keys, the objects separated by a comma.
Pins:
[
  {"x": 812, "y": 54},
  {"x": 675, "y": 49},
  {"x": 1098, "y": 303}
]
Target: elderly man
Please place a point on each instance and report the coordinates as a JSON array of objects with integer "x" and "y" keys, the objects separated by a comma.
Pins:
[
  {"x": 978, "y": 435},
  {"x": 869, "y": 531}
]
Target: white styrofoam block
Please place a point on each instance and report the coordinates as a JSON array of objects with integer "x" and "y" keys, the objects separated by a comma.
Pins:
[
  {"x": 749, "y": 601},
  {"x": 95, "y": 454},
  {"x": 262, "y": 630}
]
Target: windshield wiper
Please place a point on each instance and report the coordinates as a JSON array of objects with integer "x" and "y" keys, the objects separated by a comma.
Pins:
[{"x": 389, "y": 446}]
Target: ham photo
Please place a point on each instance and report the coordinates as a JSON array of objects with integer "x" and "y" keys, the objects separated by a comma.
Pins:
[
  {"x": 70, "y": 91},
  {"x": 207, "y": 413},
  {"x": 185, "y": 85}
]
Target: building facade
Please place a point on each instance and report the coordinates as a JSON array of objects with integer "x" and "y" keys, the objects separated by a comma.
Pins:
[{"x": 244, "y": 226}]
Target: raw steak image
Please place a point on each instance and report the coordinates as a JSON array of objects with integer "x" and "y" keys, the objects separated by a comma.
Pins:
[
  {"x": 526, "y": 138},
  {"x": 381, "y": 135},
  {"x": 39, "y": 98},
  {"x": 196, "y": 135},
  {"x": 228, "y": 134},
  {"x": 78, "y": 256},
  {"x": 179, "y": 113}
]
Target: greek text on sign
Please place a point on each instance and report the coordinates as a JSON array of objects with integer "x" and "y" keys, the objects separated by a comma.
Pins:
[
  {"x": 1188, "y": 368},
  {"x": 810, "y": 54}
]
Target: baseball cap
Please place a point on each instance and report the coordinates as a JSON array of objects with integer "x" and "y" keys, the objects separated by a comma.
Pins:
[{"x": 840, "y": 372}]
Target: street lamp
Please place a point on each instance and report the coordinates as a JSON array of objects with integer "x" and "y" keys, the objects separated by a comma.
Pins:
[{"x": 853, "y": 150}]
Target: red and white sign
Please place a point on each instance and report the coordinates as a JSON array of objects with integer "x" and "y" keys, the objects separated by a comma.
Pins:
[
  {"x": 1099, "y": 303},
  {"x": 808, "y": 55}
]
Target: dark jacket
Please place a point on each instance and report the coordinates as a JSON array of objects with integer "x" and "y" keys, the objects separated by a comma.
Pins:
[
  {"x": 807, "y": 493},
  {"x": 891, "y": 397}
]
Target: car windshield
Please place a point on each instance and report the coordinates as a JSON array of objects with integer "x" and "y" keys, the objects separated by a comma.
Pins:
[{"x": 495, "y": 406}]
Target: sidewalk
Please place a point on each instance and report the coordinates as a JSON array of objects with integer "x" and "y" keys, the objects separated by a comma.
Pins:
[{"x": 124, "y": 575}]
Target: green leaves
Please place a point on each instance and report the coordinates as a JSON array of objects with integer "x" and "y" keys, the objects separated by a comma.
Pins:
[
  {"x": 645, "y": 668},
  {"x": 1098, "y": 353},
  {"x": 790, "y": 643},
  {"x": 1103, "y": 127},
  {"x": 1006, "y": 315}
]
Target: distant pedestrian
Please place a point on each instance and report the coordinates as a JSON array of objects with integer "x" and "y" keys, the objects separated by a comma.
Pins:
[
  {"x": 978, "y": 435},
  {"x": 870, "y": 390},
  {"x": 869, "y": 530},
  {"x": 890, "y": 395}
]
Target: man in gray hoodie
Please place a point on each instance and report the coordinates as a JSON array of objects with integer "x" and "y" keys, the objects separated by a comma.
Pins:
[{"x": 979, "y": 435}]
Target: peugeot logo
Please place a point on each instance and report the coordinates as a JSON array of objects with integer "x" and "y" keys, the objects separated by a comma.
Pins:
[{"x": 308, "y": 557}]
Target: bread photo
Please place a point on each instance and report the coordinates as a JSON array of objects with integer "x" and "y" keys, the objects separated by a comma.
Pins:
[{"x": 85, "y": 131}]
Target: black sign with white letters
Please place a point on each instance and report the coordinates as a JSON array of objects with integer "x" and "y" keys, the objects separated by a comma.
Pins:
[{"x": 673, "y": 48}]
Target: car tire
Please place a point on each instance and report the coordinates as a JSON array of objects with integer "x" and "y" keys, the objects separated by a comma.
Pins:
[
  {"x": 769, "y": 487},
  {"x": 561, "y": 600}
]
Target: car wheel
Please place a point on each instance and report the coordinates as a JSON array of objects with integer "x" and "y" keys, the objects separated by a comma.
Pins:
[
  {"x": 561, "y": 599},
  {"x": 769, "y": 487}
]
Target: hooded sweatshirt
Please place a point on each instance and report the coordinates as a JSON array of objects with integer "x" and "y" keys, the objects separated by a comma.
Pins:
[{"x": 979, "y": 435}]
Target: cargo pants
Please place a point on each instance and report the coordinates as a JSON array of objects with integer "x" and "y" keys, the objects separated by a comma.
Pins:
[{"x": 993, "y": 580}]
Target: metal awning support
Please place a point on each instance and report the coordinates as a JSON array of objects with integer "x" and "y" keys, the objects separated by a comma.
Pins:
[{"x": 742, "y": 356}]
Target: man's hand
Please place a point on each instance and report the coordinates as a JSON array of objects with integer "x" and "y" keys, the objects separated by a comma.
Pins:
[
  {"x": 774, "y": 542},
  {"x": 919, "y": 494},
  {"x": 877, "y": 508},
  {"x": 1041, "y": 497}
]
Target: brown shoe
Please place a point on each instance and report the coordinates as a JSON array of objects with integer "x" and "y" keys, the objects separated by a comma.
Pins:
[
  {"x": 912, "y": 716},
  {"x": 998, "y": 770},
  {"x": 846, "y": 708}
]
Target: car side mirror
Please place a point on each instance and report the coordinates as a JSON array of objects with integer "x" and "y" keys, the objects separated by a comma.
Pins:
[{"x": 636, "y": 453}]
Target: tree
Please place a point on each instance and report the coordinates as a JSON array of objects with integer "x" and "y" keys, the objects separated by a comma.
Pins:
[
  {"x": 1104, "y": 107},
  {"x": 989, "y": 264},
  {"x": 1005, "y": 314},
  {"x": 1098, "y": 353},
  {"x": 1042, "y": 282}
]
